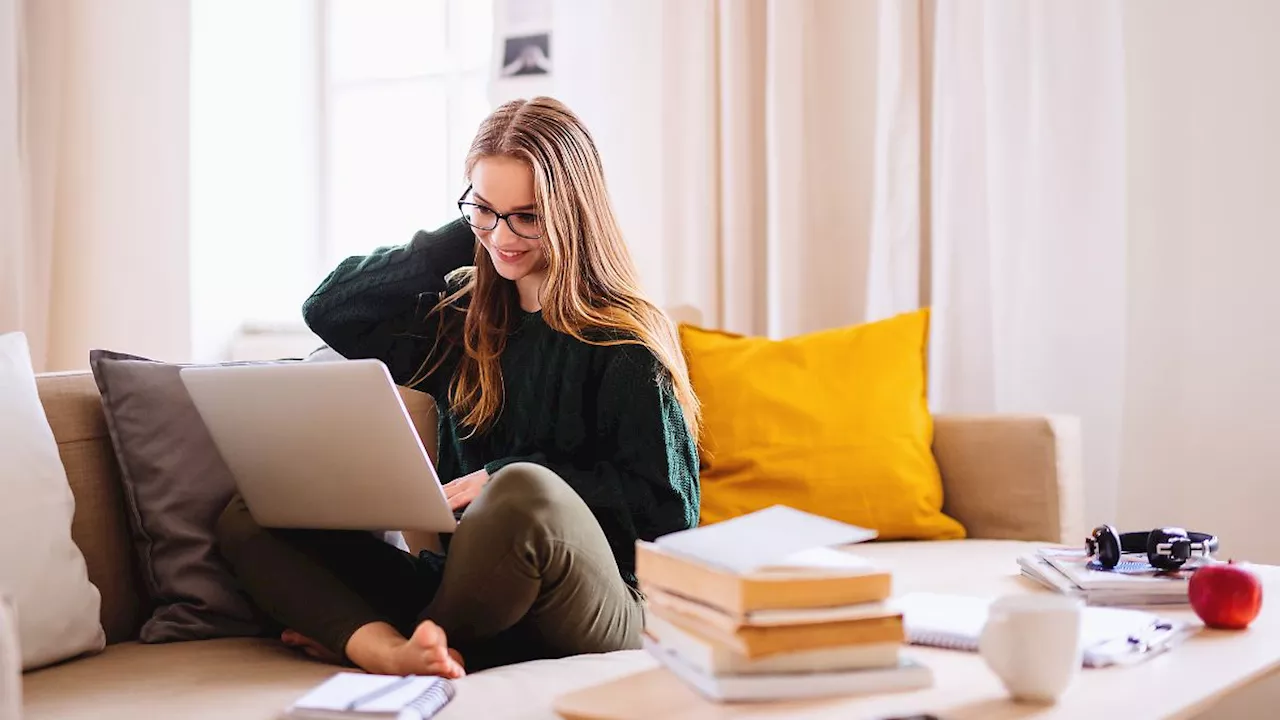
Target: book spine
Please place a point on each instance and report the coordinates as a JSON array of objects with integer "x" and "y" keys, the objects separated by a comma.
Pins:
[
  {"x": 805, "y": 593},
  {"x": 739, "y": 595},
  {"x": 759, "y": 642},
  {"x": 711, "y": 586}
]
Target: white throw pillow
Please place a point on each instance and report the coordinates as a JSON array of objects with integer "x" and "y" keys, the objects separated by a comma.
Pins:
[{"x": 40, "y": 566}]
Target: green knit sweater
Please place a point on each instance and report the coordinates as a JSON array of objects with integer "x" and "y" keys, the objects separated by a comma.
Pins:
[{"x": 603, "y": 417}]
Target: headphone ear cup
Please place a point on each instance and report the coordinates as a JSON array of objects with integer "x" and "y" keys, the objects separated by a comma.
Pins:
[
  {"x": 1179, "y": 548},
  {"x": 1107, "y": 541}
]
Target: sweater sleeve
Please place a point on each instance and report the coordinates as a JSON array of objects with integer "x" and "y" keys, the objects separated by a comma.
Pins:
[
  {"x": 643, "y": 482},
  {"x": 375, "y": 305}
]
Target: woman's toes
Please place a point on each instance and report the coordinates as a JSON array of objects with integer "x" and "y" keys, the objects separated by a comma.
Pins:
[
  {"x": 431, "y": 650},
  {"x": 429, "y": 636}
]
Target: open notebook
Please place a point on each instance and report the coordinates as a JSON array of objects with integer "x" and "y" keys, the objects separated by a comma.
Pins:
[
  {"x": 1112, "y": 636},
  {"x": 358, "y": 696}
]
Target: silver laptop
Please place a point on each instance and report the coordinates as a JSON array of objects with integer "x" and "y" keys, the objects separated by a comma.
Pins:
[{"x": 323, "y": 445}]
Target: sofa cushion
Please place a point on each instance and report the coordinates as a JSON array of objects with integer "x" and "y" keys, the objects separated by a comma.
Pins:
[
  {"x": 833, "y": 422},
  {"x": 251, "y": 679},
  {"x": 40, "y": 566},
  {"x": 242, "y": 678},
  {"x": 986, "y": 568},
  {"x": 254, "y": 679}
]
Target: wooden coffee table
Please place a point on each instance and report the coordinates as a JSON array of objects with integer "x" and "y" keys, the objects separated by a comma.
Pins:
[{"x": 1198, "y": 674}]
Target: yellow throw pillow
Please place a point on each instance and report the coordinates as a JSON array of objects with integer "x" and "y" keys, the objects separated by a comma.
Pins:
[{"x": 835, "y": 423}]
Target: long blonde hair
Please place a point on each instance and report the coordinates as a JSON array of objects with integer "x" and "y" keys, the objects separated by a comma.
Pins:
[{"x": 592, "y": 291}]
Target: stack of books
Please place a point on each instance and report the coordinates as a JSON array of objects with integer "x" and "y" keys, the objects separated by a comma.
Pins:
[
  {"x": 1133, "y": 582},
  {"x": 812, "y": 623}
]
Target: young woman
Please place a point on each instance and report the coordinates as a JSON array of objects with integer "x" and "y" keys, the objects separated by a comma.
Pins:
[{"x": 567, "y": 425}]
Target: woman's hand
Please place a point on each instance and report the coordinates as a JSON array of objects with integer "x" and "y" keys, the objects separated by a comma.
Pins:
[{"x": 465, "y": 489}]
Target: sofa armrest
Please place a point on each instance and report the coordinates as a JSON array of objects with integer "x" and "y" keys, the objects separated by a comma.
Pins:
[
  {"x": 422, "y": 413},
  {"x": 1012, "y": 477}
]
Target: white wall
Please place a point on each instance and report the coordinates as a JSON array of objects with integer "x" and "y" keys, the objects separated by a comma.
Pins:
[
  {"x": 608, "y": 68},
  {"x": 121, "y": 221},
  {"x": 1202, "y": 408}
]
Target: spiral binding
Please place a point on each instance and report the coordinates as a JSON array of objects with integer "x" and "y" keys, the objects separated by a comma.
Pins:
[
  {"x": 433, "y": 699},
  {"x": 945, "y": 640}
]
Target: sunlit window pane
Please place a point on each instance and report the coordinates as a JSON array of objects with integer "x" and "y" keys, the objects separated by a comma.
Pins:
[
  {"x": 389, "y": 156},
  {"x": 387, "y": 38},
  {"x": 370, "y": 107}
]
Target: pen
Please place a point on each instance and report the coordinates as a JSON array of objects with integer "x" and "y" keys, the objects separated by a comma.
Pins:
[{"x": 1143, "y": 639}]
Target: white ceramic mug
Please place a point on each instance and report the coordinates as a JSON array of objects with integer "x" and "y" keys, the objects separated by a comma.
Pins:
[
  {"x": 1033, "y": 644},
  {"x": 10, "y": 662}
]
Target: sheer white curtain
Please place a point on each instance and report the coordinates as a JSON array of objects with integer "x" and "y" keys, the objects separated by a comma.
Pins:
[
  {"x": 12, "y": 247},
  {"x": 762, "y": 154},
  {"x": 94, "y": 122},
  {"x": 1028, "y": 217},
  {"x": 31, "y": 67},
  {"x": 784, "y": 166}
]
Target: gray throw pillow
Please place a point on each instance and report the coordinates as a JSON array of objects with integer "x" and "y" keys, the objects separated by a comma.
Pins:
[{"x": 175, "y": 486}]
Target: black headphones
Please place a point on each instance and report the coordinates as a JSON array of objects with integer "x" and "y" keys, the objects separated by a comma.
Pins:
[{"x": 1167, "y": 548}]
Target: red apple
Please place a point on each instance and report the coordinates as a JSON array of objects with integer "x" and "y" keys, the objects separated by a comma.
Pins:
[{"x": 1226, "y": 596}]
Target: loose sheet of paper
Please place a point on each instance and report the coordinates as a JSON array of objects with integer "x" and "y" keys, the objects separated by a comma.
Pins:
[
  {"x": 383, "y": 693},
  {"x": 763, "y": 538},
  {"x": 338, "y": 691},
  {"x": 821, "y": 558},
  {"x": 961, "y": 618}
]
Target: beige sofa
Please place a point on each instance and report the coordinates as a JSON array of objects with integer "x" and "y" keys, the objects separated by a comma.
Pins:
[{"x": 1009, "y": 480}]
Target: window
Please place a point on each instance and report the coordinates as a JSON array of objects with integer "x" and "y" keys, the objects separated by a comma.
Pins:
[
  {"x": 405, "y": 86},
  {"x": 319, "y": 129}
]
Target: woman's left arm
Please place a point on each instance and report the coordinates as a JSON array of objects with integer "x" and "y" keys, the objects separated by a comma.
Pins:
[{"x": 643, "y": 482}]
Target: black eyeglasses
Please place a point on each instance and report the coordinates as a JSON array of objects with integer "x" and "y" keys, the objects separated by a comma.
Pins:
[{"x": 525, "y": 224}]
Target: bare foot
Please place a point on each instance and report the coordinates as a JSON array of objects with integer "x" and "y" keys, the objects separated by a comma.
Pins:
[
  {"x": 428, "y": 653},
  {"x": 378, "y": 648},
  {"x": 295, "y": 639}
]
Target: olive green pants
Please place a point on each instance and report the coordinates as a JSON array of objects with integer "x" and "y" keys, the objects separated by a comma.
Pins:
[{"x": 528, "y": 575}]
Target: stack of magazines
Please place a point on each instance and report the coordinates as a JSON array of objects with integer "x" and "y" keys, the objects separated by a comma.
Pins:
[{"x": 1132, "y": 582}]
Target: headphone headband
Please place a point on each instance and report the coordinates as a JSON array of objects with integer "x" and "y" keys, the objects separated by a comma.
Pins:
[{"x": 1136, "y": 542}]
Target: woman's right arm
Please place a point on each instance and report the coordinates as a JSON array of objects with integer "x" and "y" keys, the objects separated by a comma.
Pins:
[{"x": 375, "y": 305}]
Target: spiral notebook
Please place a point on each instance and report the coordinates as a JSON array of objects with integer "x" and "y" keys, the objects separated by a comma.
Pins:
[
  {"x": 1111, "y": 636},
  {"x": 359, "y": 696}
]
